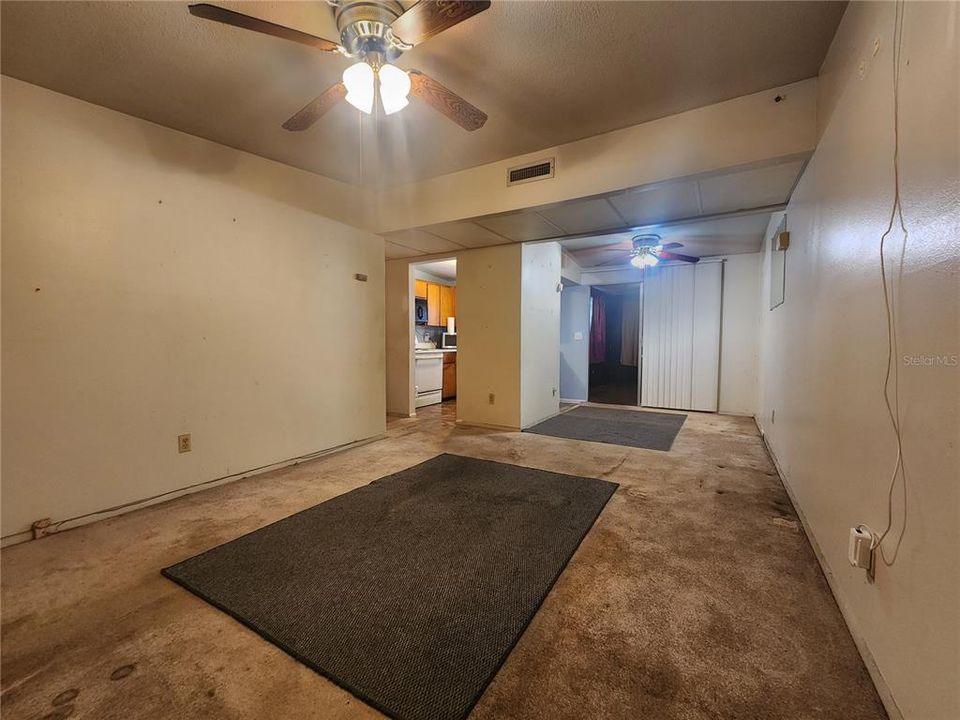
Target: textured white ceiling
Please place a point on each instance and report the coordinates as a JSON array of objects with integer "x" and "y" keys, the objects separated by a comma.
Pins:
[{"x": 546, "y": 72}]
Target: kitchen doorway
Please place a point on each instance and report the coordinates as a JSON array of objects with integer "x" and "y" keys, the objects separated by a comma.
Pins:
[{"x": 435, "y": 332}]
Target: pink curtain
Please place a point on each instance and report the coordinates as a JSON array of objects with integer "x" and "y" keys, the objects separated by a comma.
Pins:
[{"x": 598, "y": 323}]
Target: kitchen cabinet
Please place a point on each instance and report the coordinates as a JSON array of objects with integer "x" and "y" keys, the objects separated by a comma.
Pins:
[
  {"x": 449, "y": 375},
  {"x": 448, "y": 303},
  {"x": 433, "y": 304},
  {"x": 441, "y": 301}
]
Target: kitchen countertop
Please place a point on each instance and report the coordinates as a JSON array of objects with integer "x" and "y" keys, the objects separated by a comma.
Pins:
[{"x": 437, "y": 350}]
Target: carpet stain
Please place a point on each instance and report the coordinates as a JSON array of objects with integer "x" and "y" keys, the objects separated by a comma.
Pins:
[
  {"x": 121, "y": 672},
  {"x": 65, "y": 697}
]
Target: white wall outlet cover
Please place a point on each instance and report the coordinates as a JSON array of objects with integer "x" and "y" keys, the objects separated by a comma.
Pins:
[
  {"x": 860, "y": 549},
  {"x": 578, "y": 336}
]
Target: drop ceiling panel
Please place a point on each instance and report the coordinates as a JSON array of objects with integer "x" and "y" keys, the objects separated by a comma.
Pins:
[
  {"x": 466, "y": 233},
  {"x": 583, "y": 216},
  {"x": 423, "y": 241},
  {"x": 393, "y": 251},
  {"x": 749, "y": 188},
  {"x": 520, "y": 226},
  {"x": 658, "y": 204}
]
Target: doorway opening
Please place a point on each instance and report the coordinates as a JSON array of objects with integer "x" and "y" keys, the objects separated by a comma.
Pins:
[
  {"x": 615, "y": 319},
  {"x": 435, "y": 332}
]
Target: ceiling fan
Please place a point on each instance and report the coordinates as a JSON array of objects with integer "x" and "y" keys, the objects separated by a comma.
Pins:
[
  {"x": 374, "y": 33},
  {"x": 645, "y": 251}
]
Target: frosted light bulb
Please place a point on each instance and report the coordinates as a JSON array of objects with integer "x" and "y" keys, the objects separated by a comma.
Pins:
[
  {"x": 358, "y": 80},
  {"x": 394, "y": 88},
  {"x": 644, "y": 260}
]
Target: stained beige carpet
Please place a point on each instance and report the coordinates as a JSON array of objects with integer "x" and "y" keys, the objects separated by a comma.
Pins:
[{"x": 695, "y": 596}]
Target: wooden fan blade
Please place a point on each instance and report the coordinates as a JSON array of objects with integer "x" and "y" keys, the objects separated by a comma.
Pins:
[
  {"x": 449, "y": 103},
  {"x": 229, "y": 17},
  {"x": 429, "y": 17},
  {"x": 316, "y": 108},
  {"x": 671, "y": 246},
  {"x": 663, "y": 255}
]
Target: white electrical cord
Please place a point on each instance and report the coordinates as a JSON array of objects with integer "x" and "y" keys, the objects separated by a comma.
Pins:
[{"x": 889, "y": 303}]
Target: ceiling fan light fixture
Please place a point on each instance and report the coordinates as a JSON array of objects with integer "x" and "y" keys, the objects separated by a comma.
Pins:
[
  {"x": 644, "y": 260},
  {"x": 394, "y": 88},
  {"x": 359, "y": 81}
]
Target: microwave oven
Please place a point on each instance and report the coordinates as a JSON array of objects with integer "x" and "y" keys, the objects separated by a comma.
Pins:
[{"x": 448, "y": 340}]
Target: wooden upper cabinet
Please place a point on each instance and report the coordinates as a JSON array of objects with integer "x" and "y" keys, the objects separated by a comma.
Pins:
[
  {"x": 433, "y": 304},
  {"x": 448, "y": 303},
  {"x": 441, "y": 301}
]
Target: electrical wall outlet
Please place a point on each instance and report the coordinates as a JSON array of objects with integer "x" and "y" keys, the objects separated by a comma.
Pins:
[
  {"x": 183, "y": 443},
  {"x": 42, "y": 528},
  {"x": 491, "y": 398},
  {"x": 860, "y": 549}
]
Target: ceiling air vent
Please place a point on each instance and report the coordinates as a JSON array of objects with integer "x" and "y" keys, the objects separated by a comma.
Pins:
[{"x": 540, "y": 170}]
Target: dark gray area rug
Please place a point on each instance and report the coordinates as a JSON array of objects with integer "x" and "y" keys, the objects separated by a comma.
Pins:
[
  {"x": 636, "y": 428},
  {"x": 411, "y": 591}
]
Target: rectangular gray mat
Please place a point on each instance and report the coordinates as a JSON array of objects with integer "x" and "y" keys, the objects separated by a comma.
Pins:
[
  {"x": 411, "y": 591},
  {"x": 635, "y": 428}
]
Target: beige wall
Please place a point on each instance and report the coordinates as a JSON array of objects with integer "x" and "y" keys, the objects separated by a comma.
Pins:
[
  {"x": 488, "y": 335},
  {"x": 156, "y": 284},
  {"x": 824, "y": 350},
  {"x": 539, "y": 333},
  {"x": 739, "y": 336},
  {"x": 399, "y": 327}
]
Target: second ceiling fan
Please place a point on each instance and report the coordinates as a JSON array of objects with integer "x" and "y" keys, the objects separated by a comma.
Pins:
[
  {"x": 643, "y": 251},
  {"x": 375, "y": 33}
]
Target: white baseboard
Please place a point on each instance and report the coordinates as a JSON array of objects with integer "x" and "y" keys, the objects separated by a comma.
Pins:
[
  {"x": 883, "y": 690},
  {"x": 487, "y": 426},
  {"x": 96, "y": 516}
]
